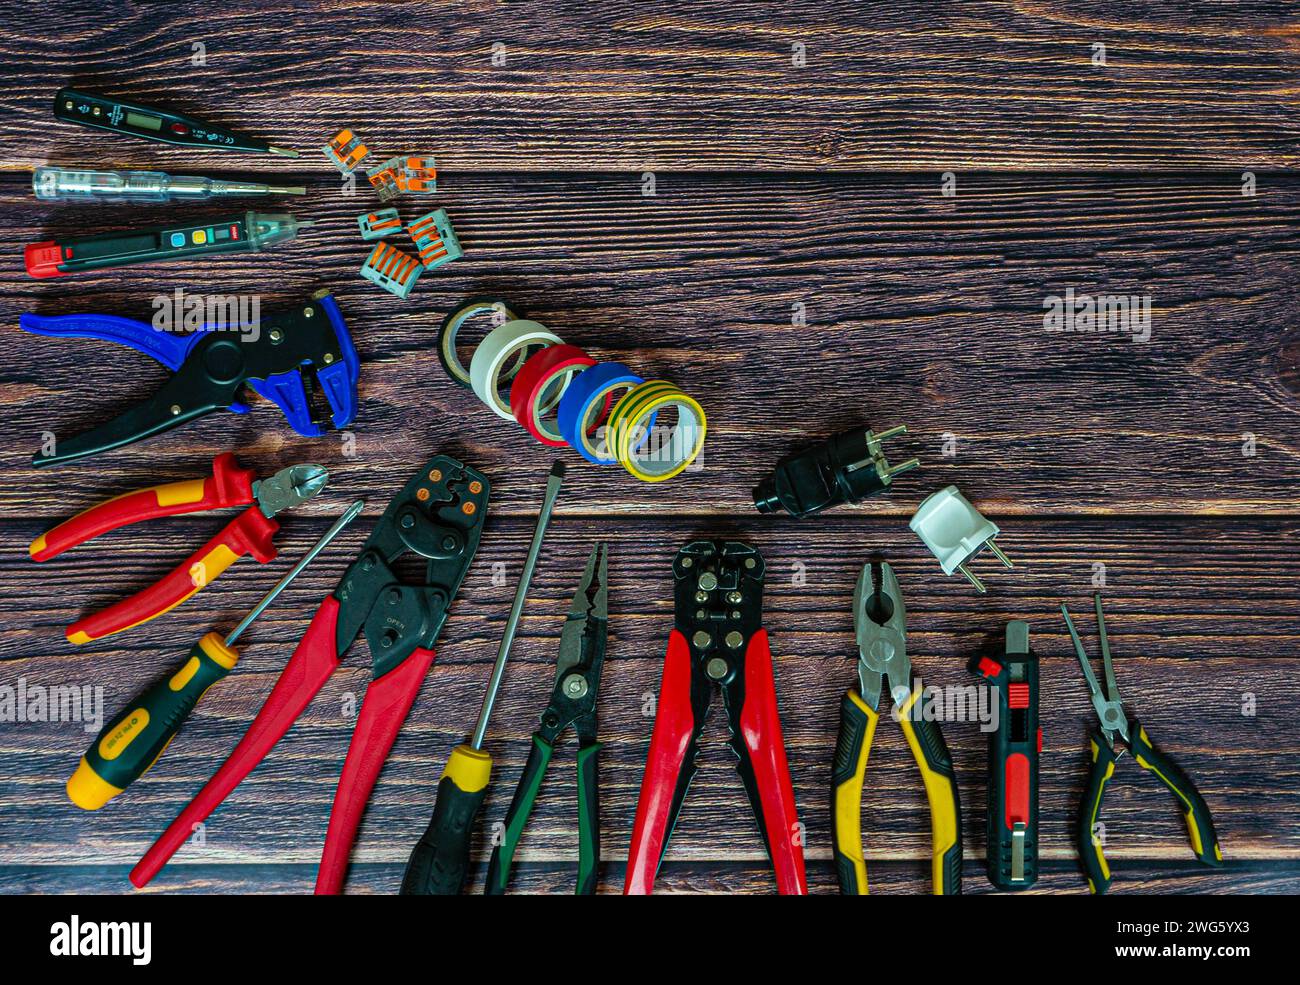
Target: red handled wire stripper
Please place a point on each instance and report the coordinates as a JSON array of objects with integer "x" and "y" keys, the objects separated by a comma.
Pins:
[
  {"x": 438, "y": 515},
  {"x": 248, "y": 533},
  {"x": 717, "y": 638}
]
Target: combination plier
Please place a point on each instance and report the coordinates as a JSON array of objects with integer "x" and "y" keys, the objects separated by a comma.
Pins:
[{"x": 880, "y": 619}]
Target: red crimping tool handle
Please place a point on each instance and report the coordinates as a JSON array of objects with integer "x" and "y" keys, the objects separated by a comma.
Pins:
[
  {"x": 760, "y": 728},
  {"x": 670, "y": 744},
  {"x": 314, "y": 659},
  {"x": 387, "y": 702}
]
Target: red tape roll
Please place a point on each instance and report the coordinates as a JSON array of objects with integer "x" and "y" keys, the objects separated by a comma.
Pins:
[{"x": 529, "y": 390}]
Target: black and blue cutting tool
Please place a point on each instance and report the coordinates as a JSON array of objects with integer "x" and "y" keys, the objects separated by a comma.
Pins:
[{"x": 288, "y": 357}]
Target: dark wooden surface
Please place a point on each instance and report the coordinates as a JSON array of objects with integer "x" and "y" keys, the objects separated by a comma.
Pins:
[{"x": 775, "y": 186}]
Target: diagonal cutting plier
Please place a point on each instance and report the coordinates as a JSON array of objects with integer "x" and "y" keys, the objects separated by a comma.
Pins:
[
  {"x": 249, "y": 533},
  {"x": 717, "y": 639},
  {"x": 1107, "y": 746},
  {"x": 573, "y": 703},
  {"x": 438, "y": 516},
  {"x": 880, "y": 619}
]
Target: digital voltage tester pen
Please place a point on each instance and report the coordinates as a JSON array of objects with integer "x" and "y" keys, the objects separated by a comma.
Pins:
[
  {"x": 243, "y": 232},
  {"x": 150, "y": 123}
]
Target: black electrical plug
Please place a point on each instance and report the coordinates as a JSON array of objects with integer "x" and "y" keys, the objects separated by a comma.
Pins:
[{"x": 844, "y": 468}]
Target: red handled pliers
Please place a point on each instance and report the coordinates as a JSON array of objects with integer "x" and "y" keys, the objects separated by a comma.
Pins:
[
  {"x": 438, "y": 515},
  {"x": 248, "y": 533},
  {"x": 717, "y": 638}
]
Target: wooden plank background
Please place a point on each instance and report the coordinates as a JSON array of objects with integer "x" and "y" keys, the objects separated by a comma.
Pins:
[{"x": 778, "y": 188}]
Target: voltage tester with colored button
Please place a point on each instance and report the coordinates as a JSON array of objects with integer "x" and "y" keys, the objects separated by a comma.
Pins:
[
  {"x": 150, "y": 123},
  {"x": 243, "y": 232}
]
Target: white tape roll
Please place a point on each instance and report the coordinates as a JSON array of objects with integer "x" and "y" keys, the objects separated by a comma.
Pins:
[{"x": 495, "y": 351}]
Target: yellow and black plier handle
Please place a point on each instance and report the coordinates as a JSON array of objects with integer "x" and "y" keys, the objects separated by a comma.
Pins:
[
  {"x": 857, "y": 727},
  {"x": 1200, "y": 825}
]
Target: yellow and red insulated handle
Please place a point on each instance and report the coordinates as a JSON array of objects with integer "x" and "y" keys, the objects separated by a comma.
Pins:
[
  {"x": 249, "y": 533},
  {"x": 229, "y": 485}
]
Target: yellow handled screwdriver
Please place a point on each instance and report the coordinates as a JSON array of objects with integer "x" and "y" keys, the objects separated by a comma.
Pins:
[
  {"x": 440, "y": 861},
  {"x": 131, "y": 743}
]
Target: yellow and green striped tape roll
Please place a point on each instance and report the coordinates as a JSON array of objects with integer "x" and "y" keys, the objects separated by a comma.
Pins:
[{"x": 658, "y": 456}]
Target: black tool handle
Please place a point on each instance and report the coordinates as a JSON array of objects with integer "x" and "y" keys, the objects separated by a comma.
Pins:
[
  {"x": 1091, "y": 836},
  {"x": 439, "y": 863},
  {"x": 1200, "y": 825}
]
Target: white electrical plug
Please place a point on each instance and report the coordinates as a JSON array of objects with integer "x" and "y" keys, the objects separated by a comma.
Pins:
[{"x": 955, "y": 532}]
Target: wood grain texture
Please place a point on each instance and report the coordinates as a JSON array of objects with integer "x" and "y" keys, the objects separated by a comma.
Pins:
[
  {"x": 703, "y": 86},
  {"x": 779, "y": 192},
  {"x": 1178, "y": 650},
  {"x": 919, "y": 309}
]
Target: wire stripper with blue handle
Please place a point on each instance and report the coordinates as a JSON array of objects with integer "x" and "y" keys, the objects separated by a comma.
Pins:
[{"x": 287, "y": 357}]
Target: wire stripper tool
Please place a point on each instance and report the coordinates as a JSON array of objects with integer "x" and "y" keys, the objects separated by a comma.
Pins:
[
  {"x": 717, "y": 638},
  {"x": 438, "y": 515},
  {"x": 1105, "y": 753},
  {"x": 880, "y": 619},
  {"x": 286, "y": 357},
  {"x": 249, "y": 533},
  {"x": 573, "y": 703}
]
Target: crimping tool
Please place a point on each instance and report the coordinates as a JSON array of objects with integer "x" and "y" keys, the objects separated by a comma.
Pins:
[
  {"x": 285, "y": 357},
  {"x": 248, "y": 533},
  {"x": 438, "y": 515},
  {"x": 880, "y": 619},
  {"x": 573, "y": 703},
  {"x": 717, "y": 638},
  {"x": 1014, "y": 747},
  {"x": 1106, "y": 751}
]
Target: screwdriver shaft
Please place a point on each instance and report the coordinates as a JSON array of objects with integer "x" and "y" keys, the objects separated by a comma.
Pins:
[
  {"x": 516, "y": 610},
  {"x": 348, "y": 516}
]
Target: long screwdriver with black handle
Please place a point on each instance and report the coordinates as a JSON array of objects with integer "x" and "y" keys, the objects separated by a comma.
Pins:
[
  {"x": 440, "y": 861},
  {"x": 131, "y": 743}
]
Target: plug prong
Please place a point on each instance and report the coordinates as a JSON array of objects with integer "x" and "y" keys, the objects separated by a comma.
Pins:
[
  {"x": 997, "y": 552},
  {"x": 970, "y": 577}
]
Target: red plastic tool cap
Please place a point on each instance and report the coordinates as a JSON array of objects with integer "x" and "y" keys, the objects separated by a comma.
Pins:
[{"x": 43, "y": 259}]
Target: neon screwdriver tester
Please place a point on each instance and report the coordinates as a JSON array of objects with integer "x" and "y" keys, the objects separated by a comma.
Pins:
[
  {"x": 242, "y": 232},
  {"x": 151, "y": 123},
  {"x": 51, "y": 184}
]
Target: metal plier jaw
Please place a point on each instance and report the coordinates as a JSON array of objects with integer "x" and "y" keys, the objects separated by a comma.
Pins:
[
  {"x": 573, "y": 702},
  {"x": 582, "y": 655},
  {"x": 717, "y": 639},
  {"x": 438, "y": 515},
  {"x": 1115, "y": 735},
  {"x": 880, "y": 621}
]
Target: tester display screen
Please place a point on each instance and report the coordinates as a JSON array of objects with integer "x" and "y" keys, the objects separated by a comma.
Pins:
[{"x": 140, "y": 120}]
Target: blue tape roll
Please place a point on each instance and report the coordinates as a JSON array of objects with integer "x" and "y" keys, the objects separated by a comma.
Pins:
[{"x": 584, "y": 398}]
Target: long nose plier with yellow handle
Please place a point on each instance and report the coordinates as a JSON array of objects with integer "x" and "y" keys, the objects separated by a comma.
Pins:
[
  {"x": 1105, "y": 753},
  {"x": 880, "y": 619}
]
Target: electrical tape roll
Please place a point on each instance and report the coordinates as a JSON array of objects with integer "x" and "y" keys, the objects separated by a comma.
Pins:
[
  {"x": 452, "y": 324},
  {"x": 541, "y": 385},
  {"x": 586, "y": 404},
  {"x": 511, "y": 339},
  {"x": 655, "y": 461}
]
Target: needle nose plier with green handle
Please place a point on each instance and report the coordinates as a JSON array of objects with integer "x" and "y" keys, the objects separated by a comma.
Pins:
[
  {"x": 880, "y": 619},
  {"x": 1105, "y": 754},
  {"x": 573, "y": 702}
]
